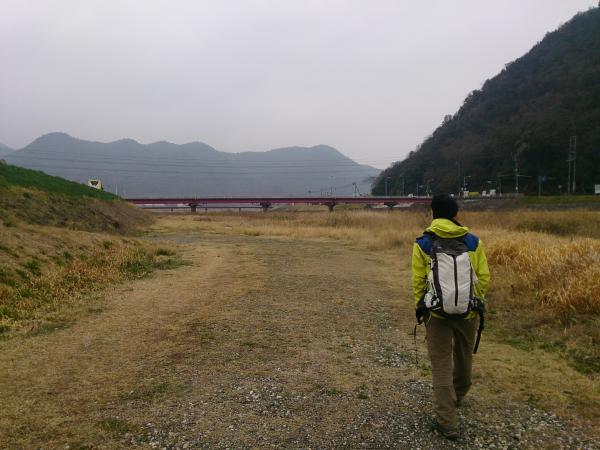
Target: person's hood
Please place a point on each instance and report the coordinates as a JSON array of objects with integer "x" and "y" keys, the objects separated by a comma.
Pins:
[{"x": 445, "y": 228}]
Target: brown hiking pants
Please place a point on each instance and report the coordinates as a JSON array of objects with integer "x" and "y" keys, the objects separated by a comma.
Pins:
[{"x": 450, "y": 345}]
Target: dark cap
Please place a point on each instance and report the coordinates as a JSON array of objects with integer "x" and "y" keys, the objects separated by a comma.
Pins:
[{"x": 444, "y": 207}]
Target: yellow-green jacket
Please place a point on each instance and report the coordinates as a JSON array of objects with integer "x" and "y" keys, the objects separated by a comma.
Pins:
[{"x": 445, "y": 228}]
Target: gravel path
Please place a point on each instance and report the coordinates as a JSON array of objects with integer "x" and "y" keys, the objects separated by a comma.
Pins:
[
  {"x": 401, "y": 425},
  {"x": 389, "y": 408}
]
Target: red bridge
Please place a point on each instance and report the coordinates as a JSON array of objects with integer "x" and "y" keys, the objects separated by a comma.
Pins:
[{"x": 266, "y": 202}]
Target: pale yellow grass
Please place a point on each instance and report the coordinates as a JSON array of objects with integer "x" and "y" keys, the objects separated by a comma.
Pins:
[
  {"x": 46, "y": 271},
  {"x": 544, "y": 286},
  {"x": 541, "y": 300},
  {"x": 372, "y": 230},
  {"x": 561, "y": 272}
]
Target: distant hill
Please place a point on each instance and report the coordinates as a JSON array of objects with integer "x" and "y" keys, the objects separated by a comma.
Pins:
[
  {"x": 529, "y": 111},
  {"x": 196, "y": 169},
  {"x": 4, "y": 150}
]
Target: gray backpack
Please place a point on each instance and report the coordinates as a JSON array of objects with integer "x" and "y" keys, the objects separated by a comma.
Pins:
[
  {"x": 450, "y": 280},
  {"x": 450, "y": 283}
]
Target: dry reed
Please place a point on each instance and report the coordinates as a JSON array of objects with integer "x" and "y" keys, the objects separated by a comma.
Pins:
[{"x": 560, "y": 273}]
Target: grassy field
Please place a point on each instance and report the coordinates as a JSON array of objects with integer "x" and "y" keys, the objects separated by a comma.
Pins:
[
  {"x": 562, "y": 199},
  {"x": 292, "y": 329},
  {"x": 544, "y": 265}
]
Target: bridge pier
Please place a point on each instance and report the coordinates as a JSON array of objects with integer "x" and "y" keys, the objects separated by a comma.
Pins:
[
  {"x": 390, "y": 205},
  {"x": 265, "y": 206},
  {"x": 330, "y": 205},
  {"x": 193, "y": 208}
]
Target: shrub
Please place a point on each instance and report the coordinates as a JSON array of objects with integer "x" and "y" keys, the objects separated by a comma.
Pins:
[{"x": 33, "y": 265}]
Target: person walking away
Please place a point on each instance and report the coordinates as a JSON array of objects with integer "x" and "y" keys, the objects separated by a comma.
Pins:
[{"x": 450, "y": 277}]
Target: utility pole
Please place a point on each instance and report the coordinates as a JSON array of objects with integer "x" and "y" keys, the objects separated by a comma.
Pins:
[
  {"x": 572, "y": 158},
  {"x": 516, "y": 158},
  {"x": 428, "y": 188},
  {"x": 516, "y": 154},
  {"x": 569, "y": 177},
  {"x": 464, "y": 186}
]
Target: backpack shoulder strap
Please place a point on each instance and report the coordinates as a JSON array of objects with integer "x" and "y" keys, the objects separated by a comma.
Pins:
[
  {"x": 425, "y": 241},
  {"x": 472, "y": 241}
]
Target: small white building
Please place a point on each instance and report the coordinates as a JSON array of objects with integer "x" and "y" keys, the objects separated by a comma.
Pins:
[{"x": 96, "y": 184}]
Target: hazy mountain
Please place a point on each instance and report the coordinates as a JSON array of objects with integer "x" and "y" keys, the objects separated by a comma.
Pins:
[
  {"x": 4, "y": 150},
  {"x": 528, "y": 111},
  {"x": 195, "y": 169}
]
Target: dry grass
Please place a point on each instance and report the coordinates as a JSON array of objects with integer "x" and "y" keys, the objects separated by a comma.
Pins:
[
  {"x": 32, "y": 206},
  {"x": 544, "y": 282},
  {"x": 567, "y": 222},
  {"x": 558, "y": 264},
  {"x": 45, "y": 272},
  {"x": 373, "y": 230},
  {"x": 541, "y": 301},
  {"x": 561, "y": 274},
  {"x": 101, "y": 377},
  {"x": 270, "y": 340}
]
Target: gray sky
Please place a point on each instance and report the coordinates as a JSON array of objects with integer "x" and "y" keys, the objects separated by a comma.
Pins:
[{"x": 371, "y": 78}]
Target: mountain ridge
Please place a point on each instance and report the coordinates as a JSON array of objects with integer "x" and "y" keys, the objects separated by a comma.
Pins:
[
  {"x": 5, "y": 149},
  {"x": 163, "y": 168}
]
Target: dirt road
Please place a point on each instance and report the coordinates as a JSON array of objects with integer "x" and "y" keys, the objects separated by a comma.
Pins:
[{"x": 259, "y": 343}]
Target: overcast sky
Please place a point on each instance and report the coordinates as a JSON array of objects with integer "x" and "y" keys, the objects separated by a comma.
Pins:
[{"x": 371, "y": 78}]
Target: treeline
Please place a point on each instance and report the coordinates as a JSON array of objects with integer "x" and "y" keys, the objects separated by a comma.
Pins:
[{"x": 524, "y": 116}]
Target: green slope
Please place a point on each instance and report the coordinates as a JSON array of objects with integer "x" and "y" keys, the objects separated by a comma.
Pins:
[
  {"x": 34, "y": 197},
  {"x": 18, "y": 176},
  {"x": 531, "y": 108}
]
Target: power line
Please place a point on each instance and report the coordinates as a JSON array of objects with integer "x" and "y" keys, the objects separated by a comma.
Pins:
[
  {"x": 195, "y": 172},
  {"x": 214, "y": 164},
  {"x": 229, "y": 158}
]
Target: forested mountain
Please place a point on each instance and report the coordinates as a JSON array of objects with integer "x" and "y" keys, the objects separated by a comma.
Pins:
[
  {"x": 131, "y": 169},
  {"x": 526, "y": 113}
]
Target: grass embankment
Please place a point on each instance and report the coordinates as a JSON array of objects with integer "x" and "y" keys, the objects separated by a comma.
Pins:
[
  {"x": 545, "y": 266},
  {"x": 48, "y": 275},
  {"x": 37, "y": 198},
  {"x": 47, "y": 269},
  {"x": 562, "y": 200}
]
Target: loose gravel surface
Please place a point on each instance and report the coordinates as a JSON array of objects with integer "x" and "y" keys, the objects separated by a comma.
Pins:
[
  {"x": 402, "y": 424},
  {"x": 260, "y": 343}
]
